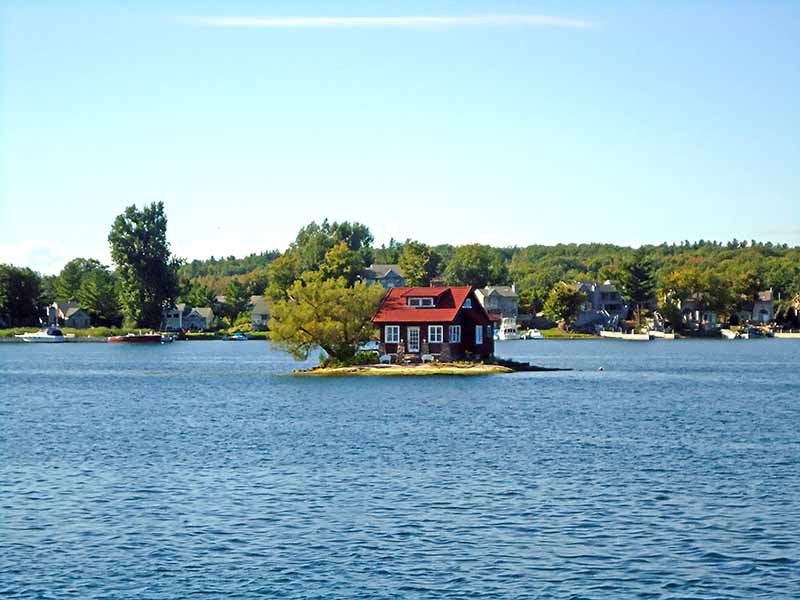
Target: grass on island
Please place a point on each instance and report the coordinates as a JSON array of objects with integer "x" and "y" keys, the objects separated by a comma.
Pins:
[{"x": 455, "y": 368}]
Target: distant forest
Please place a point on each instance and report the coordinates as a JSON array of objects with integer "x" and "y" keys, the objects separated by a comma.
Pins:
[
  {"x": 535, "y": 269},
  {"x": 723, "y": 274}
]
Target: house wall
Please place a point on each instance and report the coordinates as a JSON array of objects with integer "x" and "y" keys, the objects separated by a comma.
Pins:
[
  {"x": 503, "y": 305},
  {"x": 391, "y": 281},
  {"x": 79, "y": 320},
  {"x": 194, "y": 321},
  {"x": 259, "y": 321},
  {"x": 766, "y": 316}
]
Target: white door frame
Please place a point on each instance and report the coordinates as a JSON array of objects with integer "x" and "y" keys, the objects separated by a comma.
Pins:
[{"x": 411, "y": 347}]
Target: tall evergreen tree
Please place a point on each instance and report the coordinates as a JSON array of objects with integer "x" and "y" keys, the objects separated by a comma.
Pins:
[{"x": 638, "y": 281}]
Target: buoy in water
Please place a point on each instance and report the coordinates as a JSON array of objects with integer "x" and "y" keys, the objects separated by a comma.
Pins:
[{"x": 600, "y": 369}]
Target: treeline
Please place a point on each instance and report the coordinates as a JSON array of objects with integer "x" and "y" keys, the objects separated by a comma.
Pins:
[{"x": 722, "y": 272}]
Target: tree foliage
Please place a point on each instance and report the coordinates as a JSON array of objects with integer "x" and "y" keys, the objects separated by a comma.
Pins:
[
  {"x": 327, "y": 314},
  {"x": 236, "y": 298},
  {"x": 19, "y": 296},
  {"x": 98, "y": 295},
  {"x": 200, "y": 295},
  {"x": 146, "y": 269},
  {"x": 476, "y": 265},
  {"x": 563, "y": 303},
  {"x": 70, "y": 279},
  {"x": 341, "y": 261},
  {"x": 419, "y": 263}
]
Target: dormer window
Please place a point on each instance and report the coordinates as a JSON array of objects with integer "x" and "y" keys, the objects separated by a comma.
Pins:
[
  {"x": 420, "y": 302},
  {"x": 468, "y": 303}
]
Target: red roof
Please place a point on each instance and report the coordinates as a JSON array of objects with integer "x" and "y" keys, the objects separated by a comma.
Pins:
[{"x": 394, "y": 307}]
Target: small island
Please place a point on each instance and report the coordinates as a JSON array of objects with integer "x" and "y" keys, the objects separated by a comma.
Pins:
[{"x": 426, "y": 369}]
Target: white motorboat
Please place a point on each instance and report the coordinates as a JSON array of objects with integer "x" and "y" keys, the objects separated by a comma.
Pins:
[
  {"x": 51, "y": 335},
  {"x": 508, "y": 330},
  {"x": 533, "y": 334},
  {"x": 729, "y": 335}
]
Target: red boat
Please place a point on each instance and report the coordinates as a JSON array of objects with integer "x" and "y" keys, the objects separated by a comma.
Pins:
[{"x": 136, "y": 338}]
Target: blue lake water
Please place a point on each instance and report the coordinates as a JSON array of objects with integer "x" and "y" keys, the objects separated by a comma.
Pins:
[{"x": 200, "y": 469}]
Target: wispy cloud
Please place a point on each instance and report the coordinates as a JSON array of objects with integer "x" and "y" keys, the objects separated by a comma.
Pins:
[{"x": 408, "y": 21}]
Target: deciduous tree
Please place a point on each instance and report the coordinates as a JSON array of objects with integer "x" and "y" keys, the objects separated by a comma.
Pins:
[
  {"x": 146, "y": 268},
  {"x": 419, "y": 263},
  {"x": 19, "y": 295},
  {"x": 476, "y": 265},
  {"x": 327, "y": 314},
  {"x": 98, "y": 295},
  {"x": 563, "y": 303}
]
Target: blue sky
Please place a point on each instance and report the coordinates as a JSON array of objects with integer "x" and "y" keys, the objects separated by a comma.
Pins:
[{"x": 505, "y": 122}]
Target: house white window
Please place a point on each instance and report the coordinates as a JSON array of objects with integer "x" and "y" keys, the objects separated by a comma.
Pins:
[
  {"x": 392, "y": 334},
  {"x": 420, "y": 302},
  {"x": 478, "y": 335},
  {"x": 435, "y": 334},
  {"x": 468, "y": 303},
  {"x": 454, "y": 334}
]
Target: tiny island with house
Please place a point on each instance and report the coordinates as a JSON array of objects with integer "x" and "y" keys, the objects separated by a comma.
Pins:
[{"x": 429, "y": 331}]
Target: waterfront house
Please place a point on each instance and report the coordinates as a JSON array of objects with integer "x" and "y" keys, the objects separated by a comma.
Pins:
[
  {"x": 763, "y": 308},
  {"x": 389, "y": 276},
  {"x": 68, "y": 314},
  {"x": 500, "y": 301},
  {"x": 259, "y": 312},
  {"x": 604, "y": 306},
  {"x": 182, "y": 317},
  {"x": 172, "y": 318},
  {"x": 696, "y": 315},
  {"x": 199, "y": 319},
  {"x": 759, "y": 310},
  {"x": 447, "y": 323}
]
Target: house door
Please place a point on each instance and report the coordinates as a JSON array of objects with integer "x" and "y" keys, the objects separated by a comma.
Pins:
[{"x": 413, "y": 339}]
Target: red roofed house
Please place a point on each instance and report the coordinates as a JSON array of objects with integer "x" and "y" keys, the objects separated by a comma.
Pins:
[{"x": 444, "y": 321}]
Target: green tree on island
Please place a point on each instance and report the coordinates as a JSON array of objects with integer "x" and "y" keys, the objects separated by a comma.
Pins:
[
  {"x": 327, "y": 314},
  {"x": 419, "y": 263},
  {"x": 563, "y": 303},
  {"x": 147, "y": 271},
  {"x": 476, "y": 265}
]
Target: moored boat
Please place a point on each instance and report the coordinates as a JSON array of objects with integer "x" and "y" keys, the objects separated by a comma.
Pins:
[
  {"x": 50, "y": 335},
  {"x": 508, "y": 330},
  {"x": 533, "y": 334},
  {"x": 237, "y": 337},
  {"x": 136, "y": 338}
]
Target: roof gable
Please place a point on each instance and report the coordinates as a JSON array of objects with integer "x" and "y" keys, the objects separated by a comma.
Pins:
[
  {"x": 448, "y": 302},
  {"x": 383, "y": 271}
]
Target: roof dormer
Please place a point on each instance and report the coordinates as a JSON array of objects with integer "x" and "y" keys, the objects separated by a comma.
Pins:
[{"x": 420, "y": 301}]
